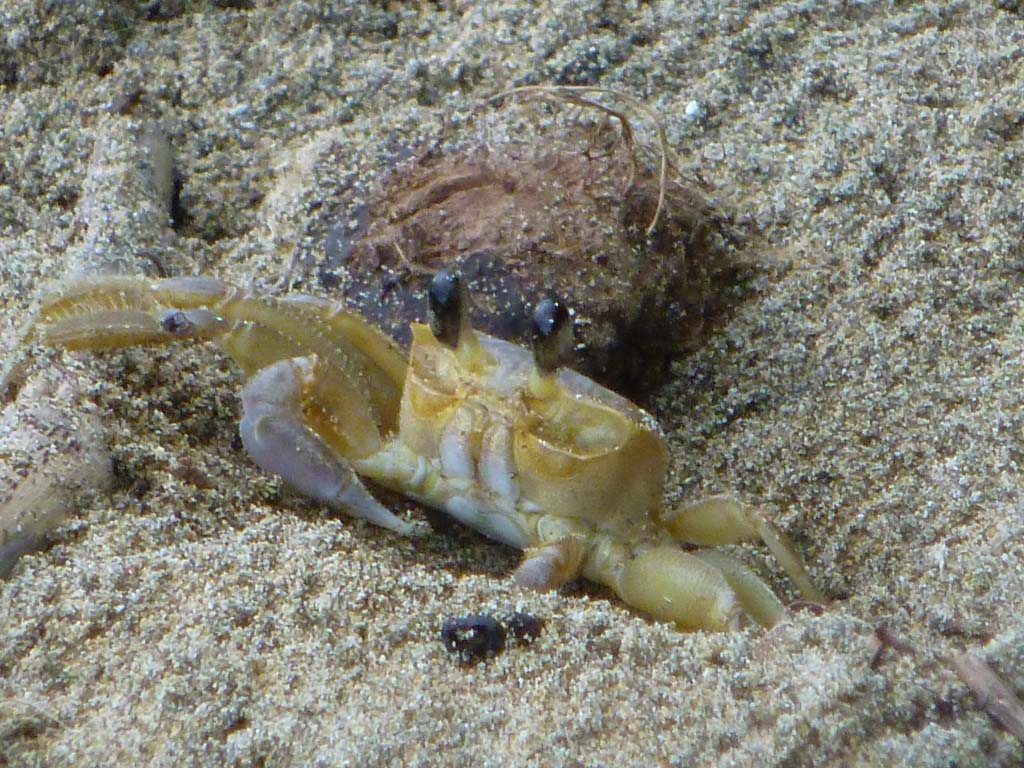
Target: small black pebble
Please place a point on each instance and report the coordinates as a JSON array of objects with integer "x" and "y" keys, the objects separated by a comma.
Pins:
[
  {"x": 473, "y": 638},
  {"x": 525, "y": 627}
]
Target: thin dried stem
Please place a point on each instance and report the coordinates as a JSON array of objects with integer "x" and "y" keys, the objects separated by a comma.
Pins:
[
  {"x": 993, "y": 694},
  {"x": 569, "y": 94}
]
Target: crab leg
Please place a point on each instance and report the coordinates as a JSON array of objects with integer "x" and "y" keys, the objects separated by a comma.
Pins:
[
  {"x": 114, "y": 312},
  {"x": 721, "y": 520},
  {"x": 700, "y": 590},
  {"x": 757, "y": 599},
  {"x": 667, "y": 583},
  {"x": 558, "y": 558}
]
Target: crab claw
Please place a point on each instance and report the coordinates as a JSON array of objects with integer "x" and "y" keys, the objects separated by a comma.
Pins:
[{"x": 278, "y": 438}]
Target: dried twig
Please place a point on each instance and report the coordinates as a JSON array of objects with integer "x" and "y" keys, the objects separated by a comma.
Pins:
[{"x": 993, "y": 694}]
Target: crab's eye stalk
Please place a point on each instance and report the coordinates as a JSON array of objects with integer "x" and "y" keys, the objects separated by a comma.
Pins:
[
  {"x": 448, "y": 311},
  {"x": 446, "y": 304},
  {"x": 552, "y": 346},
  {"x": 552, "y": 336}
]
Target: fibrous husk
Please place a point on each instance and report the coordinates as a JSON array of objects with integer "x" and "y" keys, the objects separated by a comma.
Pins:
[{"x": 564, "y": 206}]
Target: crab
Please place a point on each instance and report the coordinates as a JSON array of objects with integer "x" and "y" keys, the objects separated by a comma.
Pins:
[{"x": 507, "y": 440}]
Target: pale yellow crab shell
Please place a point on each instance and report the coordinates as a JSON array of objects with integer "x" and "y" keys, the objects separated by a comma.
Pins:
[{"x": 585, "y": 453}]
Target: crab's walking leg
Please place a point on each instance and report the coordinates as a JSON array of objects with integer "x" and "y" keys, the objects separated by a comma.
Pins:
[
  {"x": 756, "y": 597},
  {"x": 667, "y": 583},
  {"x": 702, "y": 590},
  {"x": 277, "y": 436},
  {"x": 721, "y": 520},
  {"x": 548, "y": 566}
]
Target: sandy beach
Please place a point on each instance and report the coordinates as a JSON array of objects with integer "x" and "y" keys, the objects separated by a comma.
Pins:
[{"x": 863, "y": 389}]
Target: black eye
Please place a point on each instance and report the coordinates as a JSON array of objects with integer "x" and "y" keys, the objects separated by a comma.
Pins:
[
  {"x": 444, "y": 304},
  {"x": 552, "y": 335}
]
